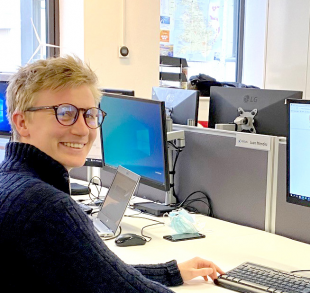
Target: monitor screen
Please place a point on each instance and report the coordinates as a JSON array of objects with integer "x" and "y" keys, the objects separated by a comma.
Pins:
[
  {"x": 271, "y": 114},
  {"x": 5, "y": 127},
  {"x": 298, "y": 152},
  {"x": 94, "y": 158},
  {"x": 181, "y": 105},
  {"x": 118, "y": 91},
  {"x": 134, "y": 136},
  {"x": 3, "y": 141}
]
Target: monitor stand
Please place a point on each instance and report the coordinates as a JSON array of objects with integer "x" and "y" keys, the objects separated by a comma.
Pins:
[{"x": 156, "y": 208}]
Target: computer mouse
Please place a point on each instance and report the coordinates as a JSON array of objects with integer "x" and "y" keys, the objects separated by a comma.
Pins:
[{"x": 130, "y": 239}]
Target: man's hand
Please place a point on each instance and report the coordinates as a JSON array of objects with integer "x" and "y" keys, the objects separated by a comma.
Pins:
[{"x": 199, "y": 267}]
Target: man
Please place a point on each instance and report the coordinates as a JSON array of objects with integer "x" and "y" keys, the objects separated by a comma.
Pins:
[{"x": 48, "y": 244}]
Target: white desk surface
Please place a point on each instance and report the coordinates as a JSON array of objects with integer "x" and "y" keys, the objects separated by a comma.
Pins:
[{"x": 226, "y": 244}]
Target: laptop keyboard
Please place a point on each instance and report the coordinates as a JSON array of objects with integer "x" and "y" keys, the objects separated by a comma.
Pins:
[{"x": 250, "y": 277}]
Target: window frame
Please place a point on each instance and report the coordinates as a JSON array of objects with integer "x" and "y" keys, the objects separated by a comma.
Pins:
[{"x": 29, "y": 42}]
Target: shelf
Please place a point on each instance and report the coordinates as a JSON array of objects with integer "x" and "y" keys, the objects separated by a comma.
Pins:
[
  {"x": 171, "y": 76},
  {"x": 173, "y": 61}
]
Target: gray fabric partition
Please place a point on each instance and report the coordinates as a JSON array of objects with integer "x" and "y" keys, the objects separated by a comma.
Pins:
[
  {"x": 291, "y": 220},
  {"x": 234, "y": 178}
]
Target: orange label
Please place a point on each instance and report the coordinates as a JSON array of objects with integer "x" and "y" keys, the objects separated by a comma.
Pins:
[{"x": 164, "y": 35}]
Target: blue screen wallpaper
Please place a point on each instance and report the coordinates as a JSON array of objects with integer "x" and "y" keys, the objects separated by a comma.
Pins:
[
  {"x": 132, "y": 137},
  {"x": 4, "y": 123}
]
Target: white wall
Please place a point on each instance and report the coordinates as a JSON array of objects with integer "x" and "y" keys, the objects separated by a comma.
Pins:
[
  {"x": 255, "y": 34},
  {"x": 103, "y": 36},
  {"x": 71, "y": 21},
  {"x": 276, "y": 46},
  {"x": 287, "y": 44},
  {"x": 93, "y": 31}
]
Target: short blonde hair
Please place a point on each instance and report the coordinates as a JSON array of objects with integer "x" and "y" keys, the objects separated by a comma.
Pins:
[{"x": 53, "y": 74}]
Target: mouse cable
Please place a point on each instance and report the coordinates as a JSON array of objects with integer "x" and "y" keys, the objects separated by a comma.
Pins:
[
  {"x": 157, "y": 223},
  {"x": 210, "y": 213}
]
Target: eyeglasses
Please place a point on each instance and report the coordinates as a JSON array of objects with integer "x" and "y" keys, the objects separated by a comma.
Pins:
[{"x": 67, "y": 114}]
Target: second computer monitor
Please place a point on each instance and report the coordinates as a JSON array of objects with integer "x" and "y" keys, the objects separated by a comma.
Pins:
[
  {"x": 5, "y": 128},
  {"x": 134, "y": 136},
  {"x": 298, "y": 152},
  {"x": 118, "y": 91},
  {"x": 181, "y": 105},
  {"x": 271, "y": 115}
]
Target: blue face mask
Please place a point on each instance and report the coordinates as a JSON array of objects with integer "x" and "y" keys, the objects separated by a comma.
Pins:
[{"x": 182, "y": 222}]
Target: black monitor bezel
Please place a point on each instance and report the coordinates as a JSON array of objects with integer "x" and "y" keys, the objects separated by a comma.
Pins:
[
  {"x": 5, "y": 133},
  {"x": 124, "y": 92},
  {"x": 144, "y": 180},
  {"x": 216, "y": 91},
  {"x": 197, "y": 101},
  {"x": 289, "y": 198}
]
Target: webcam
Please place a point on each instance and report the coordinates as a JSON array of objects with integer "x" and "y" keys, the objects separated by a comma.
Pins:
[{"x": 123, "y": 51}]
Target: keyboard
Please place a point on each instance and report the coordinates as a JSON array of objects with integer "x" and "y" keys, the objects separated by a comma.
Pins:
[{"x": 250, "y": 277}]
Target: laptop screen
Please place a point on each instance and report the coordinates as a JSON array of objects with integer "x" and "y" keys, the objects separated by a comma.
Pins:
[{"x": 117, "y": 199}]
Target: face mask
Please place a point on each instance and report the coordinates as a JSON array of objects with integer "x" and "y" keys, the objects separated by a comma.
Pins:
[{"x": 182, "y": 222}]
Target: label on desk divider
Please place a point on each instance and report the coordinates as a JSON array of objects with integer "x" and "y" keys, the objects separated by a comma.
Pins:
[{"x": 253, "y": 141}]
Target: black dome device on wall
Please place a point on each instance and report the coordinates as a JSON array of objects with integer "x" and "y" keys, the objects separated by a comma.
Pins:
[{"x": 123, "y": 51}]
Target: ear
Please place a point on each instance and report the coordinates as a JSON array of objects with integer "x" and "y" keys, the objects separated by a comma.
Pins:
[{"x": 20, "y": 122}]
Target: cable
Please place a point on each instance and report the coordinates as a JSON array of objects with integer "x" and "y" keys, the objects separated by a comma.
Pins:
[
  {"x": 179, "y": 150},
  {"x": 157, "y": 223},
  {"x": 209, "y": 203},
  {"x": 299, "y": 271},
  {"x": 113, "y": 237},
  {"x": 98, "y": 189}
]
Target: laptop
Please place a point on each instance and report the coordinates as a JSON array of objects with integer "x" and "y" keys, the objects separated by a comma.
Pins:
[{"x": 115, "y": 203}]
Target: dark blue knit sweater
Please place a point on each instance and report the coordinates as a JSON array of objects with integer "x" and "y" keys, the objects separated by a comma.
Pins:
[{"x": 47, "y": 244}]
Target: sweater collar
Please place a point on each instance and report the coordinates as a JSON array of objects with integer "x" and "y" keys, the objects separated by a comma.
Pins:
[{"x": 27, "y": 158}]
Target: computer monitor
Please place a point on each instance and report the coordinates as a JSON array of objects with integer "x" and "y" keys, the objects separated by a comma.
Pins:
[
  {"x": 266, "y": 107},
  {"x": 5, "y": 128},
  {"x": 118, "y": 91},
  {"x": 134, "y": 136},
  {"x": 298, "y": 152},
  {"x": 181, "y": 105},
  {"x": 3, "y": 141},
  {"x": 94, "y": 158}
]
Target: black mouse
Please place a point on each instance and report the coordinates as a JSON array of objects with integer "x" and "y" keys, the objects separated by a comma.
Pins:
[{"x": 130, "y": 239}]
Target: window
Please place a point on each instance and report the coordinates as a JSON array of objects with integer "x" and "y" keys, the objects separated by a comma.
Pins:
[
  {"x": 206, "y": 33},
  {"x": 22, "y": 23}
]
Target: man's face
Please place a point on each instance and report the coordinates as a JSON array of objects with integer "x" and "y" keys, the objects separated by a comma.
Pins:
[{"x": 69, "y": 145}]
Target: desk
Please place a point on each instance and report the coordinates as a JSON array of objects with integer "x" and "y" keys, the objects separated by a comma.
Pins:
[{"x": 226, "y": 244}]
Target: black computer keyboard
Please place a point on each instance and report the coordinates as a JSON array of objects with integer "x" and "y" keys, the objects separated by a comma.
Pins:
[{"x": 250, "y": 277}]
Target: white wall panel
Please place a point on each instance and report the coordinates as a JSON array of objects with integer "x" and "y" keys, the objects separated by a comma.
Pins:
[
  {"x": 71, "y": 21},
  {"x": 255, "y": 34},
  {"x": 287, "y": 44},
  {"x": 103, "y": 36}
]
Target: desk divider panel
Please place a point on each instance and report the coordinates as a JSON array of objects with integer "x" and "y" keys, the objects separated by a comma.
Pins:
[
  {"x": 288, "y": 219},
  {"x": 236, "y": 179}
]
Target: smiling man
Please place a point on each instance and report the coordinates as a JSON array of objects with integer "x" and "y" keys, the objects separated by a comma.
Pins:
[{"x": 48, "y": 244}]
